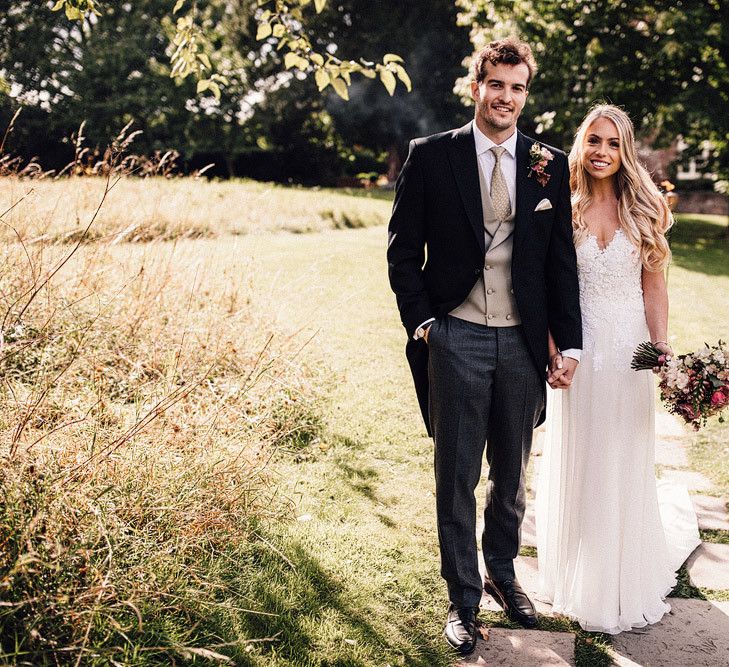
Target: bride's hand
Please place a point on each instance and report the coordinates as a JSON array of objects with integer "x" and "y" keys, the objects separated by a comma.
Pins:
[
  {"x": 666, "y": 349},
  {"x": 556, "y": 370}
]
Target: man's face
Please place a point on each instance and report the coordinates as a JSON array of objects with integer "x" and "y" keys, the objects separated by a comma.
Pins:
[{"x": 501, "y": 96}]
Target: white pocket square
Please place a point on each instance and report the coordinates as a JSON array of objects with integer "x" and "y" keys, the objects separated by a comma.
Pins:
[{"x": 543, "y": 205}]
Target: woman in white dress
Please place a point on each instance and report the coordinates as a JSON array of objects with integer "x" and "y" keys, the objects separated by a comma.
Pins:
[{"x": 608, "y": 549}]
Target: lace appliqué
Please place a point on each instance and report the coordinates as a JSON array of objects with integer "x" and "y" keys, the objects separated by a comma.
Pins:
[{"x": 611, "y": 300}]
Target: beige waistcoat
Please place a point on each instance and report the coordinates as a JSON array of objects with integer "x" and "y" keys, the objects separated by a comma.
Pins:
[{"x": 491, "y": 301}]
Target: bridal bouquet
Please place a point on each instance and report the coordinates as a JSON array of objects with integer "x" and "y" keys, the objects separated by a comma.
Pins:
[{"x": 694, "y": 386}]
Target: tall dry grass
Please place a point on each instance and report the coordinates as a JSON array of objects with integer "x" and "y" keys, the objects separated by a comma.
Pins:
[
  {"x": 168, "y": 209},
  {"x": 151, "y": 201},
  {"x": 143, "y": 394}
]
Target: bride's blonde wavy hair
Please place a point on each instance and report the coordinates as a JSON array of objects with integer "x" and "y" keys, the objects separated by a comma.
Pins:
[{"x": 643, "y": 213}]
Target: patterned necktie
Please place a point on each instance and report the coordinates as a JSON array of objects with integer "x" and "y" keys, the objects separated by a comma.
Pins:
[{"x": 499, "y": 191}]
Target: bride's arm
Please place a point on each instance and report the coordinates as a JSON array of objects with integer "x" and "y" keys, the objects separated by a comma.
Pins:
[{"x": 655, "y": 302}]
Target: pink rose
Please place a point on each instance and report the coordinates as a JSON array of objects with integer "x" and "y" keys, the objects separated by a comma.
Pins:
[
  {"x": 718, "y": 398},
  {"x": 661, "y": 360}
]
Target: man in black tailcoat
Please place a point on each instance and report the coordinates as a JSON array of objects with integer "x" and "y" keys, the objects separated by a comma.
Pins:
[{"x": 482, "y": 263}]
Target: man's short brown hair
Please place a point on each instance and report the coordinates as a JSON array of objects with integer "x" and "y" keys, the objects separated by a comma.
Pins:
[{"x": 509, "y": 51}]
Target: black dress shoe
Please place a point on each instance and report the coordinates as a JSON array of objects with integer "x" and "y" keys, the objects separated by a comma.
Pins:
[
  {"x": 515, "y": 602},
  {"x": 460, "y": 629}
]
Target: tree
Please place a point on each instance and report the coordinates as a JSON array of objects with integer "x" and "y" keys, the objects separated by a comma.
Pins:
[
  {"x": 107, "y": 70},
  {"x": 115, "y": 66},
  {"x": 665, "y": 62},
  {"x": 280, "y": 21},
  {"x": 426, "y": 35}
]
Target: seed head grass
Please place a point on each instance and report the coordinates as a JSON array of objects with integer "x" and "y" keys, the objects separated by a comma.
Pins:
[{"x": 145, "y": 390}]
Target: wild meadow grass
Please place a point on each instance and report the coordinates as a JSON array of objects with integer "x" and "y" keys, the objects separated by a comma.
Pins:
[
  {"x": 145, "y": 390},
  {"x": 142, "y": 210}
]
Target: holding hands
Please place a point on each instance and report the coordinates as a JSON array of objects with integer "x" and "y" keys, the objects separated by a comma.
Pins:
[{"x": 561, "y": 371}]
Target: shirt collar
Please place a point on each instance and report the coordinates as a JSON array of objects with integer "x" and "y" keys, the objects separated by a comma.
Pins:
[{"x": 483, "y": 143}]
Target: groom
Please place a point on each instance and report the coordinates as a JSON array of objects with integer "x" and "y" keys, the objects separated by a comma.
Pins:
[{"x": 481, "y": 260}]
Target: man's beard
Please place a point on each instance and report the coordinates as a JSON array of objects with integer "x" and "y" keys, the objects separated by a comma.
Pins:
[{"x": 492, "y": 121}]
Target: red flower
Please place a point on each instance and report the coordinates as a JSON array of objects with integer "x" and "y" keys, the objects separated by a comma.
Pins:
[{"x": 718, "y": 398}]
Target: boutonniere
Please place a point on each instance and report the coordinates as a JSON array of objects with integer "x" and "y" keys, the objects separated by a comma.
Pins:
[{"x": 539, "y": 158}]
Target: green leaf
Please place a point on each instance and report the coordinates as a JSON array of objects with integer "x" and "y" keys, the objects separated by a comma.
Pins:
[
  {"x": 216, "y": 89},
  {"x": 319, "y": 5},
  {"x": 388, "y": 78},
  {"x": 291, "y": 60},
  {"x": 203, "y": 85},
  {"x": 340, "y": 88},
  {"x": 264, "y": 30},
  {"x": 58, "y": 5},
  {"x": 392, "y": 58},
  {"x": 403, "y": 76},
  {"x": 178, "y": 6},
  {"x": 73, "y": 14},
  {"x": 321, "y": 78},
  {"x": 369, "y": 73},
  {"x": 317, "y": 58},
  {"x": 205, "y": 60},
  {"x": 279, "y": 30}
]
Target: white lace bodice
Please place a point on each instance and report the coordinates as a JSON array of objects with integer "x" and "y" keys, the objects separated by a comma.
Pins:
[{"x": 611, "y": 300}]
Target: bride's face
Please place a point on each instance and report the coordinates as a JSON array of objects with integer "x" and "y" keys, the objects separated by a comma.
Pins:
[{"x": 601, "y": 149}]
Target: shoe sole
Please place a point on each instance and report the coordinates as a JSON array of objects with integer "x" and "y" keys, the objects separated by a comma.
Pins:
[{"x": 528, "y": 623}]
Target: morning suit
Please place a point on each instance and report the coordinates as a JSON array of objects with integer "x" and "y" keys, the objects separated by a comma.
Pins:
[{"x": 494, "y": 285}]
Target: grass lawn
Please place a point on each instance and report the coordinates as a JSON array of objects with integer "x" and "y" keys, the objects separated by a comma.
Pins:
[
  {"x": 699, "y": 294},
  {"x": 365, "y": 493},
  {"x": 364, "y": 587}
]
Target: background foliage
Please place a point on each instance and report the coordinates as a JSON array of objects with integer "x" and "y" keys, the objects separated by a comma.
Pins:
[{"x": 280, "y": 71}]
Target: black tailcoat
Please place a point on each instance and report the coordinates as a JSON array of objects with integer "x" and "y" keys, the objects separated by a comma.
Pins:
[{"x": 436, "y": 245}]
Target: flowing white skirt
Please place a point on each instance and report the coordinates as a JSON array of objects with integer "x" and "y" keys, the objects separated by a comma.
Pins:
[{"x": 609, "y": 538}]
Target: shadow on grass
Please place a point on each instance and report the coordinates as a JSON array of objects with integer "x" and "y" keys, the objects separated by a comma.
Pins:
[
  {"x": 316, "y": 622},
  {"x": 360, "y": 478},
  {"x": 700, "y": 246}
]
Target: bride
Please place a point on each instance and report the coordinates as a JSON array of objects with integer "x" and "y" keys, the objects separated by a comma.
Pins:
[{"x": 609, "y": 541}]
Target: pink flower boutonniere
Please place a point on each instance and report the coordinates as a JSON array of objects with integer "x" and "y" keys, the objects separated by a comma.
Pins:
[{"x": 539, "y": 158}]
